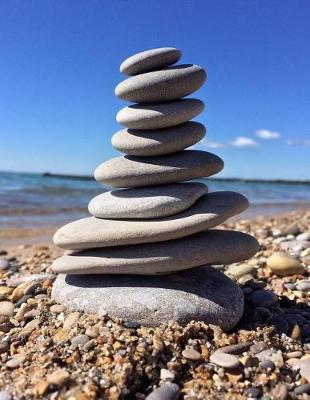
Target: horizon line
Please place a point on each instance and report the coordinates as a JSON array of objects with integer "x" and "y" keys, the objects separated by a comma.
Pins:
[{"x": 231, "y": 179}]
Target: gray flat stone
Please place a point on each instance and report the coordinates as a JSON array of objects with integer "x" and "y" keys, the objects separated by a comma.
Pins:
[
  {"x": 210, "y": 247},
  {"x": 158, "y": 142},
  {"x": 209, "y": 211},
  {"x": 202, "y": 294},
  {"x": 167, "y": 391},
  {"x": 131, "y": 171},
  {"x": 161, "y": 115},
  {"x": 224, "y": 360},
  {"x": 147, "y": 202},
  {"x": 150, "y": 60},
  {"x": 168, "y": 84}
]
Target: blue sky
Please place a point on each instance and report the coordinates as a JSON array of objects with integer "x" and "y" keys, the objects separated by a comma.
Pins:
[{"x": 60, "y": 62}]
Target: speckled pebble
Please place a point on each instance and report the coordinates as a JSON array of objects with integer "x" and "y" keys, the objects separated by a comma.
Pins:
[{"x": 90, "y": 345}]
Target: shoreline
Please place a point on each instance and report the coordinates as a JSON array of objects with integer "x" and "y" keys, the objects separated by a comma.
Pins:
[{"x": 30, "y": 229}]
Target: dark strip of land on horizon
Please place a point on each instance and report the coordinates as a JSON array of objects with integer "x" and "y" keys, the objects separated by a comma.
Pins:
[{"x": 90, "y": 178}]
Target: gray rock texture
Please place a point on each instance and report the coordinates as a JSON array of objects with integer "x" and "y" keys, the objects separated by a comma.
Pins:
[
  {"x": 202, "y": 294},
  {"x": 150, "y": 60},
  {"x": 147, "y": 202},
  {"x": 168, "y": 84},
  {"x": 210, "y": 247},
  {"x": 160, "y": 141},
  {"x": 161, "y": 115},
  {"x": 209, "y": 211},
  {"x": 132, "y": 171}
]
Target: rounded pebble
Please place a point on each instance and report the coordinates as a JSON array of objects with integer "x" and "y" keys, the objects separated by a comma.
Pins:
[
  {"x": 268, "y": 364},
  {"x": 6, "y": 308},
  {"x": 263, "y": 298},
  {"x": 282, "y": 264},
  {"x": 236, "y": 348},
  {"x": 224, "y": 360},
  {"x": 302, "y": 389},
  {"x": 4, "y": 265},
  {"x": 167, "y": 391},
  {"x": 191, "y": 354}
]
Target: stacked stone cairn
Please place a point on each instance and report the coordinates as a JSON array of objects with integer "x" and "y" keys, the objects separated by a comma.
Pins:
[{"x": 146, "y": 253}]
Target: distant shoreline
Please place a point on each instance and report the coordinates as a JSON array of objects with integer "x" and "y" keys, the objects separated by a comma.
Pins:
[{"x": 271, "y": 181}]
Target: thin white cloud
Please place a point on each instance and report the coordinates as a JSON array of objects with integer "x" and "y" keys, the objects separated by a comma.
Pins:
[
  {"x": 214, "y": 145},
  {"x": 266, "y": 134},
  {"x": 242, "y": 141},
  {"x": 298, "y": 142}
]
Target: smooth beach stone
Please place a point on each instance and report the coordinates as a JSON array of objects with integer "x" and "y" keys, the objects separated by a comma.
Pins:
[
  {"x": 239, "y": 270},
  {"x": 210, "y": 247},
  {"x": 200, "y": 294},
  {"x": 167, "y": 391},
  {"x": 147, "y": 202},
  {"x": 283, "y": 264},
  {"x": 131, "y": 171},
  {"x": 160, "y": 141},
  {"x": 224, "y": 360},
  {"x": 150, "y": 60},
  {"x": 161, "y": 115},
  {"x": 263, "y": 298},
  {"x": 167, "y": 84},
  {"x": 210, "y": 210},
  {"x": 304, "y": 286}
]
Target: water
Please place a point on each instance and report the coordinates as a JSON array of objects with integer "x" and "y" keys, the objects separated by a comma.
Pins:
[{"x": 34, "y": 200}]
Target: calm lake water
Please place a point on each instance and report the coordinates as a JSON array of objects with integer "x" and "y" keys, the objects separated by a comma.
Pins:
[{"x": 32, "y": 199}]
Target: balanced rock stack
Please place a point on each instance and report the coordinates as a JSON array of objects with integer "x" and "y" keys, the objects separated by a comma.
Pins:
[{"x": 145, "y": 254}]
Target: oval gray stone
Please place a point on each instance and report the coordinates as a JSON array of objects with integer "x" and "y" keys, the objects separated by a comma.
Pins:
[
  {"x": 168, "y": 84},
  {"x": 147, "y": 202},
  {"x": 224, "y": 360},
  {"x": 209, "y": 211},
  {"x": 131, "y": 171},
  {"x": 167, "y": 391},
  {"x": 200, "y": 294},
  {"x": 149, "y": 60},
  {"x": 158, "y": 142},
  {"x": 161, "y": 115},
  {"x": 211, "y": 247}
]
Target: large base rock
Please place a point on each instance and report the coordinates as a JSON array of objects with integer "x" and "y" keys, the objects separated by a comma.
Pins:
[{"x": 201, "y": 293}]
